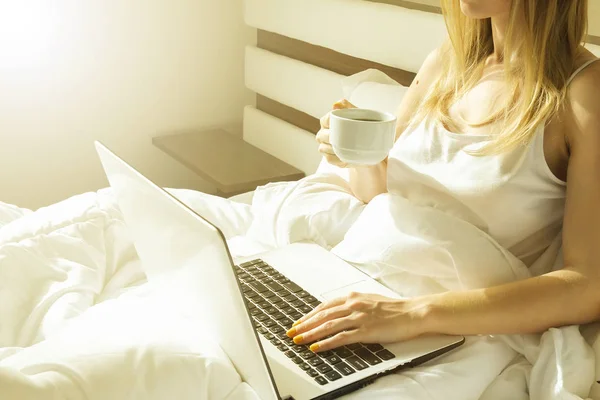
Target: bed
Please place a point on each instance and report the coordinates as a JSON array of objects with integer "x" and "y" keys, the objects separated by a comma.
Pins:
[{"x": 79, "y": 320}]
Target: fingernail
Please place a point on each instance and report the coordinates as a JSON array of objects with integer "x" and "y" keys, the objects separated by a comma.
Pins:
[
  {"x": 295, "y": 323},
  {"x": 291, "y": 333},
  {"x": 298, "y": 339},
  {"x": 314, "y": 347}
]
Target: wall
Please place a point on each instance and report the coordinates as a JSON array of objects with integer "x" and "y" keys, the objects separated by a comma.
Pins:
[
  {"x": 120, "y": 71},
  {"x": 595, "y": 18}
]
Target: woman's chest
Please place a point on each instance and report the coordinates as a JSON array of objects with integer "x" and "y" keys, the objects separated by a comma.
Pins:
[{"x": 478, "y": 113}]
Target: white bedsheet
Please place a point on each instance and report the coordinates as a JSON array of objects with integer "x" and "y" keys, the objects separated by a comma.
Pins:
[{"x": 78, "y": 320}]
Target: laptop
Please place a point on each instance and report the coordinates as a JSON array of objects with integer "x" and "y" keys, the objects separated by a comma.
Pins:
[{"x": 248, "y": 304}]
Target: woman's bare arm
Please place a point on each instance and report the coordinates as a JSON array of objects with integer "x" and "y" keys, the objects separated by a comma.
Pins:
[{"x": 570, "y": 296}]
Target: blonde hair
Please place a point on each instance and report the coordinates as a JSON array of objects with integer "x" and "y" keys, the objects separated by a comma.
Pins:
[{"x": 541, "y": 44}]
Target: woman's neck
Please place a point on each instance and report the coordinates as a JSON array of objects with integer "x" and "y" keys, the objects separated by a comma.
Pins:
[{"x": 499, "y": 26}]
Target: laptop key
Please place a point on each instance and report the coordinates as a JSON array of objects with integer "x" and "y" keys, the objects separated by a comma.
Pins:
[
  {"x": 314, "y": 303},
  {"x": 344, "y": 368},
  {"x": 320, "y": 380},
  {"x": 302, "y": 294},
  {"x": 263, "y": 304},
  {"x": 374, "y": 347},
  {"x": 268, "y": 295},
  {"x": 312, "y": 373},
  {"x": 261, "y": 330},
  {"x": 315, "y": 361},
  {"x": 276, "y": 329},
  {"x": 333, "y": 359},
  {"x": 333, "y": 376},
  {"x": 285, "y": 322},
  {"x": 274, "y": 286},
  {"x": 290, "y": 354},
  {"x": 269, "y": 336},
  {"x": 275, "y": 341},
  {"x": 259, "y": 287},
  {"x": 297, "y": 303},
  {"x": 295, "y": 315},
  {"x": 261, "y": 317},
  {"x": 324, "y": 368},
  {"x": 255, "y": 311},
  {"x": 289, "y": 310},
  {"x": 309, "y": 299},
  {"x": 342, "y": 352},
  {"x": 278, "y": 315},
  {"x": 289, "y": 298},
  {"x": 369, "y": 357},
  {"x": 292, "y": 287},
  {"x": 299, "y": 348},
  {"x": 307, "y": 355},
  {"x": 271, "y": 310},
  {"x": 289, "y": 341},
  {"x": 385, "y": 355},
  {"x": 304, "y": 366},
  {"x": 268, "y": 323},
  {"x": 282, "y": 336},
  {"x": 280, "y": 304},
  {"x": 305, "y": 309},
  {"x": 354, "y": 346},
  {"x": 248, "y": 263},
  {"x": 357, "y": 363},
  {"x": 297, "y": 360},
  {"x": 282, "y": 347}
]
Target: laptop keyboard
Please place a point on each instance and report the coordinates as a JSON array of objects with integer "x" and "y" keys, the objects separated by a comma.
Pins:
[{"x": 275, "y": 303}]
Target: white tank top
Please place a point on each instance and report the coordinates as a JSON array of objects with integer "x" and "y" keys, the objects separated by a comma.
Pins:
[{"x": 514, "y": 196}]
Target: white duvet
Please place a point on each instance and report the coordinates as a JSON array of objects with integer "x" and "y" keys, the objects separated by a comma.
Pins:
[{"x": 79, "y": 321}]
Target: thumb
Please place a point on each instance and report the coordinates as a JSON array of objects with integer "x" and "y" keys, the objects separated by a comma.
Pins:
[{"x": 338, "y": 105}]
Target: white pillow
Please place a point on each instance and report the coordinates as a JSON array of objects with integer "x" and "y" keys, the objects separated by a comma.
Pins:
[{"x": 370, "y": 89}]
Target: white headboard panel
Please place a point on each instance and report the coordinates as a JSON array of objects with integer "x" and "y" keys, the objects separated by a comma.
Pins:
[
  {"x": 285, "y": 141},
  {"x": 294, "y": 83},
  {"x": 383, "y": 33}
]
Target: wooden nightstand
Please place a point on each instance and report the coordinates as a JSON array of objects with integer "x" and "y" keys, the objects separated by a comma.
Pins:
[{"x": 228, "y": 162}]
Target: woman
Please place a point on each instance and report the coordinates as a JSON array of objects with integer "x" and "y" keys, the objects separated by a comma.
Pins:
[{"x": 513, "y": 72}]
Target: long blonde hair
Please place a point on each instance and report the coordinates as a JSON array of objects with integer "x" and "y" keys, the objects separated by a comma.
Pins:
[{"x": 541, "y": 44}]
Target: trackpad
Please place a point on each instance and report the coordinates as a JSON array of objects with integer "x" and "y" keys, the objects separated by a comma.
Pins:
[{"x": 366, "y": 286}]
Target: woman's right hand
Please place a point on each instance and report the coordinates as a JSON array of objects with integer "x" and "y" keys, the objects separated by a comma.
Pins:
[{"x": 323, "y": 136}]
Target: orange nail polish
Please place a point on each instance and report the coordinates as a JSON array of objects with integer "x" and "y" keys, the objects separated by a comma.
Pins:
[
  {"x": 298, "y": 339},
  {"x": 291, "y": 333},
  {"x": 314, "y": 347},
  {"x": 295, "y": 323}
]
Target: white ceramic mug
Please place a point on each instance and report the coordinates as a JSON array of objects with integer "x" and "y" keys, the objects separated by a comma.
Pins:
[{"x": 361, "y": 137}]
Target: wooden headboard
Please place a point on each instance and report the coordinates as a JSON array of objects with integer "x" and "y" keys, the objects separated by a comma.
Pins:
[{"x": 306, "y": 47}]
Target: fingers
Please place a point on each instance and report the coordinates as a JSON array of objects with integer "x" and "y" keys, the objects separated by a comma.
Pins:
[
  {"x": 338, "y": 105},
  {"x": 325, "y": 148},
  {"x": 325, "y": 121},
  {"x": 325, "y": 331},
  {"x": 323, "y": 321},
  {"x": 321, "y": 307},
  {"x": 341, "y": 339},
  {"x": 323, "y": 136}
]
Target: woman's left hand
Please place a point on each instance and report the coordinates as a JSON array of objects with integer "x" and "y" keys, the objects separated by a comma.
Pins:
[{"x": 359, "y": 317}]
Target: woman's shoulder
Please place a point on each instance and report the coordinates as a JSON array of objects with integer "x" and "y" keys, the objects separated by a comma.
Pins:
[
  {"x": 585, "y": 84},
  {"x": 582, "y": 95},
  {"x": 586, "y": 76}
]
